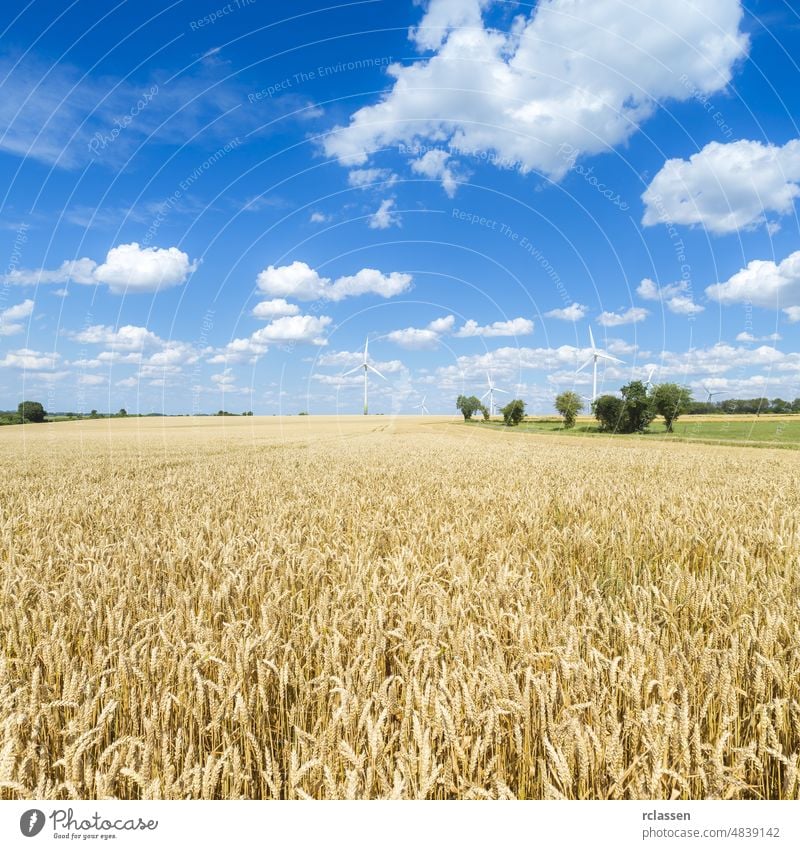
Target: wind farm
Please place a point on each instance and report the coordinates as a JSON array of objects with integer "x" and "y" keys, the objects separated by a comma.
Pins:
[{"x": 400, "y": 400}]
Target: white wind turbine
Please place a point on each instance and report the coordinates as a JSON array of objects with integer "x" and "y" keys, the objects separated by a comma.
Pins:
[
  {"x": 423, "y": 410},
  {"x": 492, "y": 389},
  {"x": 367, "y": 368},
  {"x": 649, "y": 382},
  {"x": 710, "y": 394},
  {"x": 597, "y": 354}
]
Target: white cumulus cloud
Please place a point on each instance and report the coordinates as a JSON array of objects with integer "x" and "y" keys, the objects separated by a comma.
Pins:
[
  {"x": 762, "y": 283},
  {"x": 127, "y": 269},
  {"x": 629, "y": 316},
  {"x": 131, "y": 268},
  {"x": 300, "y": 281},
  {"x": 577, "y": 73},
  {"x": 725, "y": 187},
  {"x": 676, "y": 297},
  {"x": 574, "y": 312},
  {"x": 10, "y": 317},
  {"x": 512, "y": 327},
  {"x": 25, "y": 358},
  {"x": 290, "y": 329},
  {"x": 434, "y": 164},
  {"x": 274, "y": 308},
  {"x": 385, "y": 216},
  {"x": 126, "y": 338},
  {"x": 416, "y": 338}
]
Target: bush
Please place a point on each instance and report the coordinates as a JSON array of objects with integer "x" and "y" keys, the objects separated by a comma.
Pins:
[
  {"x": 569, "y": 404},
  {"x": 630, "y": 414},
  {"x": 31, "y": 411},
  {"x": 671, "y": 401},
  {"x": 639, "y": 410},
  {"x": 469, "y": 405},
  {"x": 513, "y": 412},
  {"x": 610, "y": 412}
]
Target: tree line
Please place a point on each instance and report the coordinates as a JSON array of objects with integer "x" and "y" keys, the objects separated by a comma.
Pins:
[
  {"x": 33, "y": 412},
  {"x": 745, "y": 405},
  {"x": 468, "y": 405},
  {"x": 633, "y": 411}
]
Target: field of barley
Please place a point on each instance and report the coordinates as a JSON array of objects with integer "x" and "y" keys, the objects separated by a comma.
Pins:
[{"x": 411, "y": 608}]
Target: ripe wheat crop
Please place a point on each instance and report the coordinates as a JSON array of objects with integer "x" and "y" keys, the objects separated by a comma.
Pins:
[{"x": 376, "y": 608}]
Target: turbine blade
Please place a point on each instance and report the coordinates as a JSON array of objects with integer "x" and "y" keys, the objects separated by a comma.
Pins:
[
  {"x": 609, "y": 357},
  {"x": 352, "y": 371},
  {"x": 504, "y": 391},
  {"x": 587, "y": 363},
  {"x": 372, "y": 368},
  {"x": 485, "y": 394},
  {"x": 591, "y": 338}
]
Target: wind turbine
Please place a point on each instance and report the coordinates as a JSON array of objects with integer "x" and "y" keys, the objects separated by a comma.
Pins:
[
  {"x": 597, "y": 354},
  {"x": 492, "y": 389},
  {"x": 649, "y": 382},
  {"x": 710, "y": 394},
  {"x": 423, "y": 410},
  {"x": 367, "y": 368}
]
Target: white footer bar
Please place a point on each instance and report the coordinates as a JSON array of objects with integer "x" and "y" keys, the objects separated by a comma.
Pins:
[{"x": 402, "y": 825}]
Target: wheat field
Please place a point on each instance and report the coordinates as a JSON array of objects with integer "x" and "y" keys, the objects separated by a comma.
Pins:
[{"x": 394, "y": 608}]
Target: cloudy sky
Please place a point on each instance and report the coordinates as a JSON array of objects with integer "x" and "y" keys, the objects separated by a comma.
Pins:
[{"x": 209, "y": 205}]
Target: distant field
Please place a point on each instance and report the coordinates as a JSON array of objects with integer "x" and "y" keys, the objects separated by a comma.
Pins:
[
  {"x": 775, "y": 430},
  {"x": 369, "y": 607}
]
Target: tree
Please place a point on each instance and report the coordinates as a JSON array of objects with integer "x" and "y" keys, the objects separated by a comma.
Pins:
[
  {"x": 569, "y": 404},
  {"x": 122, "y": 412},
  {"x": 670, "y": 401},
  {"x": 513, "y": 412},
  {"x": 468, "y": 405},
  {"x": 93, "y": 414},
  {"x": 639, "y": 410},
  {"x": 610, "y": 412},
  {"x": 31, "y": 411}
]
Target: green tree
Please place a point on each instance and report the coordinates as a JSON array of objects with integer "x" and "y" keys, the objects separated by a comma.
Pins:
[
  {"x": 639, "y": 410},
  {"x": 93, "y": 414},
  {"x": 610, "y": 412},
  {"x": 513, "y": 412},
  {"x": 31, "y": 411},
  {"x": 122, "y": 412},
  {"x": 569, "y": 404},
  {"x": 468, "y": 405},
  {"x": 670, "y": 401}
]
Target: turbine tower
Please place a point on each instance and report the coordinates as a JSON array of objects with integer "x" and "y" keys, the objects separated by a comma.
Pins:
[
  {"x": 492, "y": 389},
  {"x": 423, "y": 410},
  {"x": 367, "y": 368},
  {"x": 597, "y": 354}
]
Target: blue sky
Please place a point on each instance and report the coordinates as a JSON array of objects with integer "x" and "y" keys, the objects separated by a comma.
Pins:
[{"x": 211, "y": 205}]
